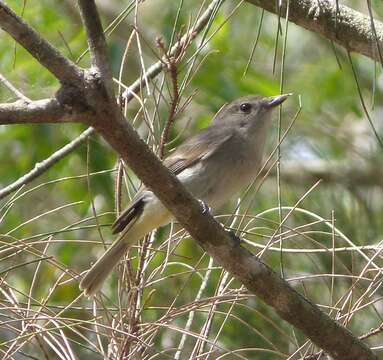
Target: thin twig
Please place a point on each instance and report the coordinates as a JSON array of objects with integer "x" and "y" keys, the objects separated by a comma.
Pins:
[
  {"x": 96, "y": 218},
  {"x": 12, "y": 88},
  {"x": 156, "y": 68},
  {"x": 378, "y": 45},
  {"x": 171, "y": 63},
  {"x": 378, "y": 138},
  {"x": 46, "y": 164},
  {"x": 66, "y": 44},
  {"x": 255, "y": 44},
  {"x": 372, "y": 332}
]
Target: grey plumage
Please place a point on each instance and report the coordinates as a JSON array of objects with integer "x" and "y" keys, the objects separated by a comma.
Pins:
[{"x": 214, "y": 165}]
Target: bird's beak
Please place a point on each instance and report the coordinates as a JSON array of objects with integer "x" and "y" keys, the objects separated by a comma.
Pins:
[{"x": 273, "y": 101}]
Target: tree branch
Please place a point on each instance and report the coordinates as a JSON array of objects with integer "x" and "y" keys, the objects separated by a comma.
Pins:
[
  {"x": 226, "y": 251},
  {"x": 255, "y": 275},
  {"x": 96, "y": 42},
  {"x": 153, "y": 71},
  {"x": 62, "y": 68},
  {"x": 346, "y": 27},
  {"x": 36, "y": 112}
]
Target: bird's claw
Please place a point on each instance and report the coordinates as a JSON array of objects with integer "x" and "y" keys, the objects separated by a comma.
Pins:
[
  {"x": 206, "y": 209},
  {"x": 236, "y": 239},
  {"x": 315, "y": 10}
]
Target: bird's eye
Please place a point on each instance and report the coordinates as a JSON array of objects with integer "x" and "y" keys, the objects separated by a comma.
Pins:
[{"x": 245, "y": 107}]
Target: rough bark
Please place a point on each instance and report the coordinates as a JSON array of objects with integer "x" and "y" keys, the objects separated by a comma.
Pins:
[{"x": 342, "y": 25}]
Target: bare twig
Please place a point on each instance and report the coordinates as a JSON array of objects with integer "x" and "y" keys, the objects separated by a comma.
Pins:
[
  {"x": 46, "y": 164},
  {"x": 380, "y": 141},
  {"x": 378, "y": 45},
  {"x": 156, "y": 68},
  {"x": 254, "y": 44},
  {"x": 12, "y": 88},
  {"x": 171, "y": 64},
  {"x": 372, "y": 332}
]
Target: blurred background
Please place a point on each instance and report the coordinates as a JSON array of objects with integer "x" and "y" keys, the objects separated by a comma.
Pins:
[{"x": 169, "y": 300}]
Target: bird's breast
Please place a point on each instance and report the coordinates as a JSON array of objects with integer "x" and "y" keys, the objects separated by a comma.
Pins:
[{"x": 219, "y": 177}]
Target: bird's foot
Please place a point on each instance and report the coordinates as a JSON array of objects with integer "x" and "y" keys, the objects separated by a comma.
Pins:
[
  {"x": 236, "y": 239},
  {"x": 314, "y": 10},
  {"x": 206, "y": 209}
]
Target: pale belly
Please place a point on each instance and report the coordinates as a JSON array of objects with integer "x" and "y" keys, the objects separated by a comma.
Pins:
[
  {"x": 216, "y": 185},
  {"x": 215, "y": 180}
]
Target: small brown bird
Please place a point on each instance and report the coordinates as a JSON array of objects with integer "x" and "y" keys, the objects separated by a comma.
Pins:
[{"x": 214, "y": 165}]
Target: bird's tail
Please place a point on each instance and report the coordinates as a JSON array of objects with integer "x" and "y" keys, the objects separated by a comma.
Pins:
[
  {"x": 134, "y": 224},
  {"x": 97, "y": 274}
]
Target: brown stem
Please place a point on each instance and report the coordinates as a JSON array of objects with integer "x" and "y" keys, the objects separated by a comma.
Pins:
[
  {"x": 156, "y": 68},
  {"x": 255, "y": 275},
  {"x": 96, "y": 42},
  {"x": 171, "y": 64},
  {"x": 36, "y": 112},
  {"x": 13, "y": 89}
]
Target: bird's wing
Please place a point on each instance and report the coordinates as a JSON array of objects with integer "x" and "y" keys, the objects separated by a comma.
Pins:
[
  {"x": 198, "y": 147},
  {"x": 134, "y": 210}
]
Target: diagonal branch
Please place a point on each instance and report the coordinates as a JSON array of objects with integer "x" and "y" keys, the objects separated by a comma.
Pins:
[
  {"x": 48, "y": 56},
  {"x": 226, "y": 251},
  {"x": 250, "y": 271},
  {"x": 96, "y": 41},
  {"x": 346, "y": 27},
  {"x": 36, "y": 112}
]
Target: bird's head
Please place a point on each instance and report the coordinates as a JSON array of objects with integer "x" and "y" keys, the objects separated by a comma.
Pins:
[{"x": 251, "y": 114}]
